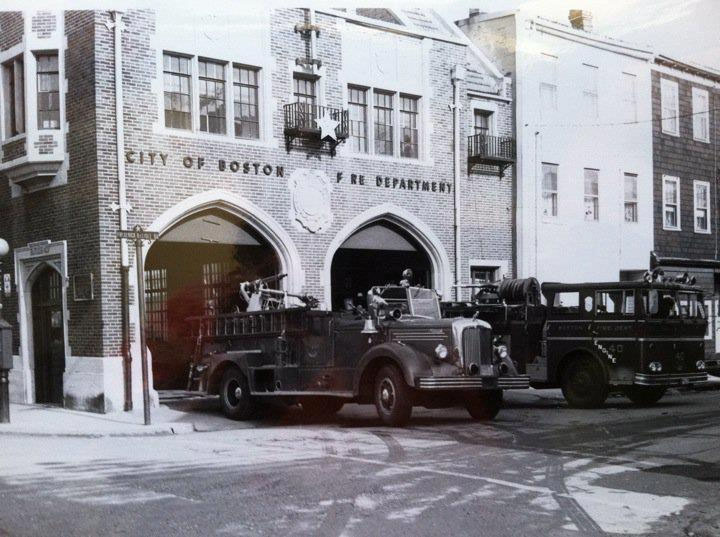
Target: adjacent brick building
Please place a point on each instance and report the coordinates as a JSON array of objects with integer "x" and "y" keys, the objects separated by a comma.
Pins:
[{"x": 210, "y": 140}]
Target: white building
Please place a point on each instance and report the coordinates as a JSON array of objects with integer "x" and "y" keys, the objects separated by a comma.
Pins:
[{"x": 584, "y": 170}]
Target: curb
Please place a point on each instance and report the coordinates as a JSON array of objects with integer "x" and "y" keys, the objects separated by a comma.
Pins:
[{"x": 166, "y": 430}]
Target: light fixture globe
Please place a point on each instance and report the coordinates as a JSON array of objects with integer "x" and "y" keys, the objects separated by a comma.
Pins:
[{"x": 4, "y": 248}]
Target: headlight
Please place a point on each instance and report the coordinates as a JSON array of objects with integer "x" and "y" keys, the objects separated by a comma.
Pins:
[
  {"x": 501, "y": 351},
  {"x": 441, "y": 351},
  {"x": 655, "y": 367},
  {"x": 700, "y": 364}
]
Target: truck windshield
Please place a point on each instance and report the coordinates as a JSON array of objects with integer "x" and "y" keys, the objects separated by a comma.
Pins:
[
  {"x": 424, "y": 303},
  {"x": 666, "y": 304}
]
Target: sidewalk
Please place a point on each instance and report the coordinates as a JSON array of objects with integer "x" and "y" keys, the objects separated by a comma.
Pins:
[{"x": 42, "y": 420}]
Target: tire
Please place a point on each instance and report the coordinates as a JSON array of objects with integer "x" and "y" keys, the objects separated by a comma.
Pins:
[
  {"x": 583, "y": 384},
  {"x": 321, "y": 407},
  {"x": 645, "y": 395},
  {"x": 484, "y": 405},
  {"x": 393, "y": 397},
  {"x": 235, "y": 398}
]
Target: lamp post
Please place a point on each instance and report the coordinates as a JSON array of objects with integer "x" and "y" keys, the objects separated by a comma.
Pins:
[{"x": 5, "y": 352}]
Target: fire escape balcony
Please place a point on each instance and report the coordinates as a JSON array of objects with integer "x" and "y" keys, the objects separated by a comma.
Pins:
[
  {"x": 315, "y": 126},
  {"x": 487, "y": 150}
]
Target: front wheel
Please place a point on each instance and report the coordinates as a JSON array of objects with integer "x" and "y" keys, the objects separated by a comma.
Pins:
[
  {"x": 235, "y": 398},
  {"x": 484, "y": 405},
  {"x": 393, "y": 399},
  {"x": 645, "y": 395},
  {"x": 583, "y": 384}
]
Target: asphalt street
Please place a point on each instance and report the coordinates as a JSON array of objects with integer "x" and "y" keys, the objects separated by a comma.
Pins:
[{"x": 539, "y": 469}]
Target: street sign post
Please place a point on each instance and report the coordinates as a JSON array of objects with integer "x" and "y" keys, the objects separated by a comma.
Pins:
[{"x": 138, "y": 235}]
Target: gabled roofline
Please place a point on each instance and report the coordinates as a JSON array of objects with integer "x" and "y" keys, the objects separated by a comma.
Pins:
[
  {"x": 482, "y": 58},
  {"x": 688, "y": 67}
]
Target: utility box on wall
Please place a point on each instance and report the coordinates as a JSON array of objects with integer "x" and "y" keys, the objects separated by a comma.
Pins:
[{"x": 6, "y": 356}]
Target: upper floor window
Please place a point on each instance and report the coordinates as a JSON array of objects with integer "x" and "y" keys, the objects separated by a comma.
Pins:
[
  {"x": 631, "y": 197},
  {"x": 481, "y": 122},
  {"x": 211, "y": 90},
  {"x": 669, "y": 107},
  {"x": 701, "y": 115},
  {"x": 305, "y": 90},
  {"x": 702, "y": 206},
  {"x": 408, "y": 123},
  {"x": 629, "y": 96},
  {"x": 671, "y": 202},
  {"x": 176, "y": 79},
  {"x": 480, "y": 275},
  {"x": 592, "y": 195},
  {"x": 357, "y": 109},
  {"x": 384, "y": 123},
  {"x": 245, "y": 102},
  {"x": 548, "y": 84},
  {"x": 48, "y": 91},
  {"x": 13, "y": 76},
  {"x": 590, "y": 90},
  {"x": 550, "y": 189}
]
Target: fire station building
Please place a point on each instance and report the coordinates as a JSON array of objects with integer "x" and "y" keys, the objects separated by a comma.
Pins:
[{"x": 338, "y": 147}]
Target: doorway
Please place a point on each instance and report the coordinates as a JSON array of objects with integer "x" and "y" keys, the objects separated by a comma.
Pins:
[{"x": 48, "y": 337}]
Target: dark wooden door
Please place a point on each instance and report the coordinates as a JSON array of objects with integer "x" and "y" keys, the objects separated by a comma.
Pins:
[{"x": 48, "y": 337}]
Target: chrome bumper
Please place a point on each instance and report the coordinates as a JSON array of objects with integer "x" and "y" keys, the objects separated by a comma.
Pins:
[
  {"x": 674, "y": 379},
  {"x": 473, "y": 383}
]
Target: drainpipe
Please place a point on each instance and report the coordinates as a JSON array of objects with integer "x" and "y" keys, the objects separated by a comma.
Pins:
[
  {"x": 311, "y": 20},
  {"x": 458, "y": 75},
  {"x": 122, "y": 208}
]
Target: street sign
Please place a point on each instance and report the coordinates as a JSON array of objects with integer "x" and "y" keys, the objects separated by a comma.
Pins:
[{"x": 137, "y": 234}]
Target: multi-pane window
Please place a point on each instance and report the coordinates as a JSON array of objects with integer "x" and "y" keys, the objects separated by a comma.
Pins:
[
  {"x": 549, "y": 189},
  {"x": 629, "y": 96},
  {"x": 48, "y": 91},
  {"x": 156, "y": 298},
  {"x": 176, "y": 78},
  {"x": 408, "y": 124},
  {"x": 669, "y": 106},
  {"x": 305, "y": 90},
  {"x": 671, "y": 202},
  {"x": 357, "y": 109},
  {"x": 631, "y": 197},
  {"x": 592, "y": 195},
  {"x": 483, "y": 275},
  {"x": 702, "y": 206},
  {"x": 548, "y": 84},
  {"x": 13, "y": 97},
  {"x": 245, "y": 102},
  {"x": 211, "y": 90},
  {"x": 701, "y": 115},
  {"x": 481, "y": 123},
  {"x": 590, "y": 90},
  {"x": 383, "y": 123}
]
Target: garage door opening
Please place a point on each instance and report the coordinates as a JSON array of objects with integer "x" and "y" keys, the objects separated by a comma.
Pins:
[
  {"x": 376, "y": 254},
  {"x": 194, "y": 269}
]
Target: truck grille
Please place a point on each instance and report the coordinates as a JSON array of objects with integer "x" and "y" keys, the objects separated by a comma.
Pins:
[{"x": 477, "y": 346}]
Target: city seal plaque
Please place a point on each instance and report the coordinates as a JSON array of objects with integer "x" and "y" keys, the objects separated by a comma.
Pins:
[{"x": 310, "y": 199}]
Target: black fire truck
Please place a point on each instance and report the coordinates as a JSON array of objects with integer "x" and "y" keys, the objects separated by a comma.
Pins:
[
  {"x": 636, "y": 337},
  {"x": 396, "y": 352}
]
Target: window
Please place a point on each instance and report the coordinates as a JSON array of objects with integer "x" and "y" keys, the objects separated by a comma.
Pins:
[
  {"x": 483, "y": 275},
  {"x": 701, "y": 115},
  {"x": 702, "y": 204},
  {"x": 176, "y": 77},
  {"x": 48, "y": 91},
  {"x": 211, "y": 89},
  {"x": 245, "y": 102},
  {"x": 614, "y": 302},
  {"x": 549, "y": 189},
  {"x": 357, "y": 110},
  {"x": 629, "y": 96},
  {"x": 13, "y": 74},
  {"x": 548, "y": 84},
  {"x": 408, "y": 124},
  {"x": 631, "y": 198},
  {"x": 592, "y": 195},
  {"x": 383, "y": 123},
  {"x": 481, "y": 123},
  {"x": 590, "y": 90},
  {"x": 671, "y": 203},
  {"x": 156, "y": 298},
  {"x": 669, "y": 106},
  {"x": 305, "y": 90}
]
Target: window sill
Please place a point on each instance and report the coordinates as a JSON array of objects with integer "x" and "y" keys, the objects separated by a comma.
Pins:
[
  {"x": 702, "y": 140},
  {"x": 702, "y": 231},
  {"x": 671, "y": 228},
  {"x": 382, "y": 158},
  {"x": 198, "y": 135},
  {"x": 669, "y": 133},
  {"x": 14, "y": 138}
]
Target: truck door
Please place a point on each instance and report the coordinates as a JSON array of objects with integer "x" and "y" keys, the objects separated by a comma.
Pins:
[
  {"x": 615, "y": 333},
  {"x": 350, "y": 345}
]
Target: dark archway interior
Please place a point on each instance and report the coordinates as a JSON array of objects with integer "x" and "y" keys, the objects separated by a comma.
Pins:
[
  {"x": 48, "y": 337},
  {"x": 376, "y": 254},
  {"x": 194, "y": 269}
]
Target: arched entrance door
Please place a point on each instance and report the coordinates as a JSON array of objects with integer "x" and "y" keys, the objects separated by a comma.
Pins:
[
  {"x": 376, "y": 254},
  {"x": 48, "y": 337},
  {"x": 193, "y": 269}
]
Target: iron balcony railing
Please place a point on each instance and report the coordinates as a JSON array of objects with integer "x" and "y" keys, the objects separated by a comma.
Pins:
[
  {"x": 491, "y": 149},
  {"x": 300, "y": 120}
]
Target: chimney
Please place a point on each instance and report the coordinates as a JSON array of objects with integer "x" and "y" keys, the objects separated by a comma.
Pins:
[
  {"x": 475, "y": 11},
  {"x": 581, "y": 19}
]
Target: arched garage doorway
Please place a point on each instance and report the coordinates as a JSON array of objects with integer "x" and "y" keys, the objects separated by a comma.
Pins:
[{"x": 194, "y": 268}]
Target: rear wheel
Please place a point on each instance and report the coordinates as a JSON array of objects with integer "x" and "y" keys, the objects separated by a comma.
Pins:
[
  {"x": 484, "y": 405},
  {"x": 583, "y": 384},
  {"x": 393, "y": 398},
  {"x": 321, "y": 407},
  {"x": 235, "y": 398},
  {"x": 645, "y": 395}
]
